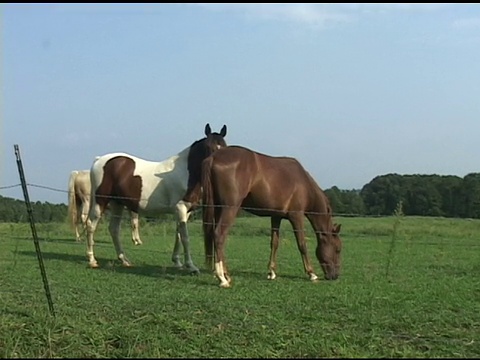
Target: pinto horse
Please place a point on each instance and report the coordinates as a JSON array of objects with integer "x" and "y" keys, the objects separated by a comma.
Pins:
[
  {"x": 150, "y": 188},
  {"x": 235, "y": 177},
  {"x": 79, "y": 203}
]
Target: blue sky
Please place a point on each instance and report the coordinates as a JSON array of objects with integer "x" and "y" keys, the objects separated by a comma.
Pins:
[{"x": 351, "y": 90}]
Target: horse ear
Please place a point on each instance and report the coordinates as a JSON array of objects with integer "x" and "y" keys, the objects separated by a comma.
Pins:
[
  {"x": 223, "y": 132},
  {"x": 208, "y": 131},
  {"x": 336, "y": 228}
]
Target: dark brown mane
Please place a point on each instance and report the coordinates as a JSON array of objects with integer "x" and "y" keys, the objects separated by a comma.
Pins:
[{"x": 278, "y": 187}]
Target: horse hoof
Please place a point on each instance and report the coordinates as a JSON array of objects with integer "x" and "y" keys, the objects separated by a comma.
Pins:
[
  {"x": 93, "y": 265},
  {"x": 225, "y": 285},
  {"x": 195, "y": 272},
  {"x": 271, "y": 276}
]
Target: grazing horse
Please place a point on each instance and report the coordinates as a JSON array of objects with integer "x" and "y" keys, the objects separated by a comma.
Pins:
[
  {"x": 79, "y": 203},
  {"x": 235, "y": 177},
  {"x": 150, "y": 188}
]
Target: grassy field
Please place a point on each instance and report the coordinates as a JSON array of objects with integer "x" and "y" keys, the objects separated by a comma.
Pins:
[{"x": 410, "y": 287}]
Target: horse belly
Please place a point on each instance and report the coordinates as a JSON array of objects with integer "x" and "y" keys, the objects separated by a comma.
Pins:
[
  {"x": 161, "y": 197},
  {"x": 262, "y": 201}
]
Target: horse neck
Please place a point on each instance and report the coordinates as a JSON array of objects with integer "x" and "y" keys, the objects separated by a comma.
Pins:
[
  {"x": 321, "y": 212},
  {"x": 183, "y": 155},
  {"x": 178, "y": 159}
]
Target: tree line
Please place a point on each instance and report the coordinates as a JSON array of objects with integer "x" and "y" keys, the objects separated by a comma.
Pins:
[
  {"x": 14, "y": 210},
  {"x": 423, "y": 195}
]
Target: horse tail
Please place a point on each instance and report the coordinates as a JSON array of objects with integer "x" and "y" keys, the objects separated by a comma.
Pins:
[
  {"x": 72, "y": 205},
  {"x": 208, "y": 212}
]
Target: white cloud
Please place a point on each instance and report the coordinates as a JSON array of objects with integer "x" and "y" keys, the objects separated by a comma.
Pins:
[
  {"x": 311, "y": 14},
  {"x": 316, "y": 14}
]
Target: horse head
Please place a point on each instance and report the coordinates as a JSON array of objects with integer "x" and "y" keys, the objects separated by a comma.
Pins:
[
  {"x": 214, "y": 141},
  {"x": 199, "y": 151},
  {"x": 328, "y": 252}
]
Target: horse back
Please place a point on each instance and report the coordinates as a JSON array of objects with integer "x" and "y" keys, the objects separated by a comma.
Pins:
[
  {"x": 282, "y": 184},
  {"x": 140, "y": 185},
  {"x": 260, "y": 181}
]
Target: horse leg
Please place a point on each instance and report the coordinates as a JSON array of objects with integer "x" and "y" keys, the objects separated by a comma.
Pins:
[
  {"x": 79, "y": 222},
  {"x": 114, "y": 229},
  {"x": 182, "y": 233},
  {"x": 135, "y": 234},
  {"x": 274, "y": 238},
  {"x": 220, "y": 265},
  {"x": 82, "y": 220},
  {"x": 297, "y": 221},
  {"x": 176, "y": 248},
  {"x": 92, "y": 221},
  {"x": 77, "y": 232},
  {"x": 222, "y": 224}
]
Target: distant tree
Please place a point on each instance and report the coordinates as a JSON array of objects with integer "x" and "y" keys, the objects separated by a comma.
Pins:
[
  {"x": 335, "y": 199},
  {"x": 382, "y": 194},
  {"x": 471, "y": 195},
  {"x": 450, "y": 190},
  {"x": 353, "y": 202},
  {"x": 345, "y": 201},
  {"x": 421, "y": 196},
  {"x": 14, "y": 210}
]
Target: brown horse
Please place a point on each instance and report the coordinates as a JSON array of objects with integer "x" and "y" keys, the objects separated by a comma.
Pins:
[{"x": 235, "y": 177}]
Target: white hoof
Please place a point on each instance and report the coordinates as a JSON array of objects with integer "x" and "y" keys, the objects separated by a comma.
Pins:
[
  {"x": 271, "y": 275},
  {"x": 225, "y": 285}
]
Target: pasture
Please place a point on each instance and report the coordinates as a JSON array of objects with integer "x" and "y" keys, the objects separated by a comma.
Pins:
[{"x": 409, "y": 287}]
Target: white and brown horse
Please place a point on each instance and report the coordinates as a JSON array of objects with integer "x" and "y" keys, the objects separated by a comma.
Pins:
[
  {"x": 150, "y": 188},
  {"x": 79, "y": 202}
]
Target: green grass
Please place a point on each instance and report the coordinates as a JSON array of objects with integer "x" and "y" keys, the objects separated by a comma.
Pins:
[{"x": 410, "y": 287}]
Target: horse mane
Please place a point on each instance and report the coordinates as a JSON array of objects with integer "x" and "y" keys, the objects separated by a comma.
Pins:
[
  {"x": 320, "y": 192},
  {"x": 208, "y": 212}
]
